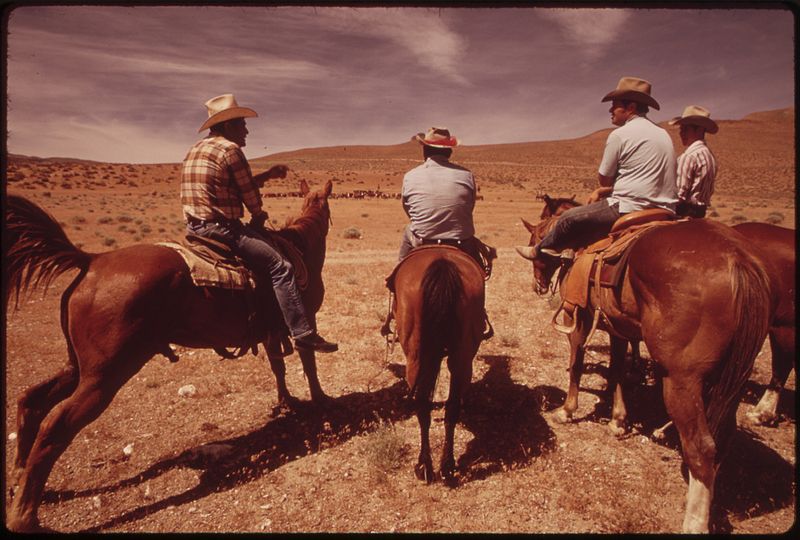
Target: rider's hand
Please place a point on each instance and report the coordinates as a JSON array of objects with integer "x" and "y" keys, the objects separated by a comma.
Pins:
[
  {"x": 277, "y": 171},
  {"x": 259, "y": 219}
]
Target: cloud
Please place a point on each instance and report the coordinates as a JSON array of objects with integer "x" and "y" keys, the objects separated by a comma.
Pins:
[
  {"x": 594, "y": 29},
  {"x": 421, "y": 32}
]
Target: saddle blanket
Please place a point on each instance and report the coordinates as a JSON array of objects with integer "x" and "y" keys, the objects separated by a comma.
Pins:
[{"x": 213, "y": 274}]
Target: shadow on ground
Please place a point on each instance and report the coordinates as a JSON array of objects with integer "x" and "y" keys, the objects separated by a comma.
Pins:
[{"x": 504, "y": 417}]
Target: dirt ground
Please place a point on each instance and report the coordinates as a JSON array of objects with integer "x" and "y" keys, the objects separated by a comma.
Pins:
[{"x": 218, "y": 460}]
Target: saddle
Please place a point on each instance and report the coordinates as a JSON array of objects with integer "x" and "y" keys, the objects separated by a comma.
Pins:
[
  {"x": 422, "y": 249},
  {"x": 487, "y": 253},
  {"x": 214, "y": 264},
  {"x": 603, "y": 263}
]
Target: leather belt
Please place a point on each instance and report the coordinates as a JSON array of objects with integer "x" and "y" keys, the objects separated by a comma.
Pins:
[
  {"x": 191, "y": 220},
  {"x": 445, "y": 241}
]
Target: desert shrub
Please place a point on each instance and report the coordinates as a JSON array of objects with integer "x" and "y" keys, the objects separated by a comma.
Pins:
[
  {"x": 351, "y": 233},
  {"x": 109, "y": 242},
  {"x": 47, "y": 194},
  {"x": 124, "y": 219},
  {"x": 509, "y": 341},
  {"x": 145, "y": 229},
  {"x": 104, "y": 220},
  {"x": 713, "y": 213},
  {"x": 386, "y": 449},
  {"x": 738, "y": 218},
  {"x": 79, "y": 220},
  {"x": 774, "y": 218}
]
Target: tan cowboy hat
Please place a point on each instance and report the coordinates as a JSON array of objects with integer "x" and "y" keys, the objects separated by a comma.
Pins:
[
  {"x": 436, "y": 136},
  {"x": 697, "y": 116},
  {"x": 222, "y": 108},
  {"x": 633, "y": 89}
]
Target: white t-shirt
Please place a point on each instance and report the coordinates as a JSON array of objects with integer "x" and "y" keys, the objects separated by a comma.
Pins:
[{"x": 641, "y": 157}]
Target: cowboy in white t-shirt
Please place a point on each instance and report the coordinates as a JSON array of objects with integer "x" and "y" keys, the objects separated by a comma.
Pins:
[
  {"x": 697, "y": 166},
  {"x": 637, "y": 172}
]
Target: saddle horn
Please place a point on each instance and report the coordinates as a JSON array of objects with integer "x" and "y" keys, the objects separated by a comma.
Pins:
[{"x": 525, "y": 252}]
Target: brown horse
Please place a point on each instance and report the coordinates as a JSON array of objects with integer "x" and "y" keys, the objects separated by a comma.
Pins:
[
  {"x": 122, "y": 308},
  {"x": 776, "y": 245},
  {"x": 439, "y": 293},
  {"x": 702, "y": 302}
]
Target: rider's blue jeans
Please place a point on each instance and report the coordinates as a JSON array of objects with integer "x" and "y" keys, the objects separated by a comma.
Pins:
[
  {"x": 258, "y": 255},
  {"x": 580, "y": 226}
]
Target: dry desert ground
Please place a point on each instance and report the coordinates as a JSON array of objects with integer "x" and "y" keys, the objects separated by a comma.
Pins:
[{"x": 349, "y": 469}]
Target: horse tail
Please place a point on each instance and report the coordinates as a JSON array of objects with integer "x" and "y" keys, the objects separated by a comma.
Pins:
[
  {"x": 751, "y": 307},
  {"x": 36, "y": 249},
  {"x": 441, "y": 289}
]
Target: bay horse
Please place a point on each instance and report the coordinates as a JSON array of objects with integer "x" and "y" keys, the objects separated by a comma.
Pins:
[
  {"x": 776, "y": 245},
  {"x": 702, "y": 302},
  {"x": 439, "y": 311},
  {"x": 123, "y": 307}
]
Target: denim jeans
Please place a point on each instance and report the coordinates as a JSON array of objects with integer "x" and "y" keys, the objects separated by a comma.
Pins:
[
  {"x": 260, "y": 256},
  {"x": 580, "y": 226}
]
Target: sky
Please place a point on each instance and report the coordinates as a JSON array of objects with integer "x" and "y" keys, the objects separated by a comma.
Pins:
[{"x": 128, "y": 84}]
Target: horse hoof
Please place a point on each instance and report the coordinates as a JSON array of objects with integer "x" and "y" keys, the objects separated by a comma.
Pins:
[
  {"x": 562, "y": 416},
  {"x": 424, "y": 471},
  {"x": 618, "y": 429},
  {"x": 756, "y": 418}
]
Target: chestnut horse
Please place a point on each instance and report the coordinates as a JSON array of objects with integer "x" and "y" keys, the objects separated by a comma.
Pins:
[
  {"x": 777, "y": 246},
  {"x": 702, "y": 302},
  {"x": 439, "y": 301},
  {"x": 124, "y": 307}
]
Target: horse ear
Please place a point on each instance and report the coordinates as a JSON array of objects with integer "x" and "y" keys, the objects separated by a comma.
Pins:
[
  {"x": 304, "y": 189},
  {"x": 573, "y": 197},
  {"x": 328, "y": 188},
  {"x": 528, "y": 226}
]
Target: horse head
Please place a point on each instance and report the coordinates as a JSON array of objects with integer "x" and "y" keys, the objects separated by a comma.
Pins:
[{"x": 544, "y": 268}]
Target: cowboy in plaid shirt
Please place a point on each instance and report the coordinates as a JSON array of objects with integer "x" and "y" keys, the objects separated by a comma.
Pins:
[{"x": 216, "y": 182}]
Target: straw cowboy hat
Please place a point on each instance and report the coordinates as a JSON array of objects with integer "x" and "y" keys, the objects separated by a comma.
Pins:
[
  {"x": 633, "y": 89},
  {"x": 438, "y": 137},
  {"x": 222, "y": 108},
  {"x": 696, "y": 115}
]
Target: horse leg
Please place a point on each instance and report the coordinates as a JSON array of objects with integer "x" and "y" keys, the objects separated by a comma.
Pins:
[
  {"x": 577, "y": 351},
  {"x": 309, "y": 361},
  {"x": 91, "y": 397},
  {"x": 619, "y": 414},
  {"x": 33, "y": 407},
  {"x": 684, "y": 401},
  {"x": 423, "y": 395},
  {"x": 460, "y": 367},
  {"x": 781, "y": 342},
  {"x": 285, "y": 400}
]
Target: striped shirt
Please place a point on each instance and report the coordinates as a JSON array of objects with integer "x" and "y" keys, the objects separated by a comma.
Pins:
[
  {"x": 697, "y": 170},
  {"x": 216, "y": 181}
]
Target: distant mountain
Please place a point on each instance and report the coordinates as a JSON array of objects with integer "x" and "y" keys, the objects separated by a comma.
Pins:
[{"x": 760, "y": 135}]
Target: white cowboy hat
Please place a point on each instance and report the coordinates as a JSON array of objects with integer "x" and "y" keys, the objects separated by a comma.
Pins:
[
  {"x": 632, "y": 89},
  {"x": 438, "y": 137},
  {"x": 697, "y": 116},
  {"x": 222, "y": 108}
]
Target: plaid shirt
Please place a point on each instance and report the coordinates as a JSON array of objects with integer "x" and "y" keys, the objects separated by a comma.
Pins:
[
  {"x": 697, "y": 171},
  {"x": 216, "y": 181}
]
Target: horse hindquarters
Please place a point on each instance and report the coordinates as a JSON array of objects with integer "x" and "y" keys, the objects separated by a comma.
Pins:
[{"x": 703, "y": 320}]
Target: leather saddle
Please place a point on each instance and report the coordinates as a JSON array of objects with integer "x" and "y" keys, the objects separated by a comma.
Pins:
[
  {"x": 603, "y": 263},
  {"x": 224, "y": 262}
]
